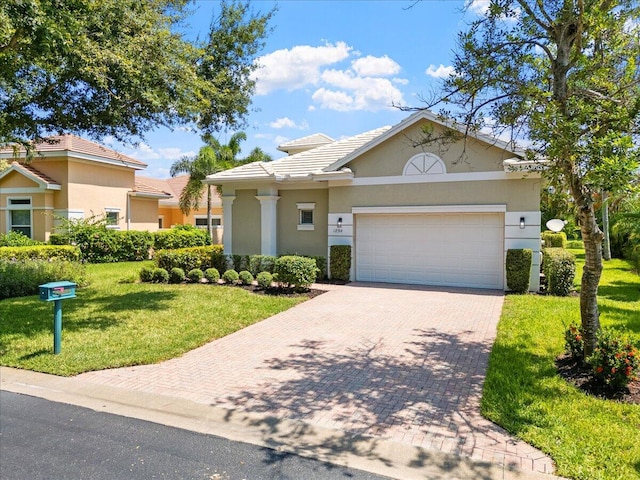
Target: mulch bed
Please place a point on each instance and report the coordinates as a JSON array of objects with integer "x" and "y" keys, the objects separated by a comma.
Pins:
[
  {"x": 283, "y": 292},
  {"x": 579, "y": 374}
]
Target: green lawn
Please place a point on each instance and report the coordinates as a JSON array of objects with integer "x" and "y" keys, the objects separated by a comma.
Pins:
[
  {"x": 587, "y": 437},
  {"x": 115, "y": 323}
]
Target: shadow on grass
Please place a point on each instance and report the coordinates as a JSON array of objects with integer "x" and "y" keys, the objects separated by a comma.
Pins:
[
  {"x": 143, "y": 300},
  {"x": 431, "y": 388},
  {"x": 621, "y": 291}
]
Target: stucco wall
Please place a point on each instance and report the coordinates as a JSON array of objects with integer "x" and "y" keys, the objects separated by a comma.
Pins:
[
  {"x": 389, "y": 158},
  {"x": 144, "y": 214},
  {"x": 302, "y": 242},
  {"x": 516, "y": 194},
  {"x": 246, "y": 223}
]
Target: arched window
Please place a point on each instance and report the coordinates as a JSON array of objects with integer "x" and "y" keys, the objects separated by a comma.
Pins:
[{"x": 424, "y": 164}]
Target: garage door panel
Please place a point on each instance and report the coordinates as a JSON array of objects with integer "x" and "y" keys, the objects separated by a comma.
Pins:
[{"x": 432, "y": 249}]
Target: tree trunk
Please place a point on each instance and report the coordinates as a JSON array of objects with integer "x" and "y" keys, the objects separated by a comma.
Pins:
[
  {"x": 606, "y": 245},
  {"x": 209, "y": 226},
  {"x": 592, "y": 237}
]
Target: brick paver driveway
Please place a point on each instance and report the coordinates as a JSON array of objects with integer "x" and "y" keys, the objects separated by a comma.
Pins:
[{"x": 400, "y": 362}]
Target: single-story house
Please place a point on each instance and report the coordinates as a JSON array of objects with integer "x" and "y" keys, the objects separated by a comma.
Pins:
[
  {"x": 169, "y": 213},
  {"x": 72, "y": 178},
  {"x": 416, "y": 214}
]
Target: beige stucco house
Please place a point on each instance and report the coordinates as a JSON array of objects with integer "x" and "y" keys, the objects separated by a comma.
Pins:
[
  {"x": 412, "y": 214},
  {"x": 169, "y": 213},
  {"x": 70, "y": 177}
]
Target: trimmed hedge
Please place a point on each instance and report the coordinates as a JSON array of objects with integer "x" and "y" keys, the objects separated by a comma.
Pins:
[
  {"x": 212, "y": 275},
  {"x": 22, "y": 277},
  {"x": 261, "y": 263},
  {"x": 340, "y": 262},
  {"x": 42, "y": 252},
  {"x": 295, "y": 272},
  {"x": 518, "y": 265},
  {"x": 189, "y": 258},
  {"x": 230, "y": 276},
  {"x": 559, "y": 267},
  {"x": 180, "y": 238},
  {"x": 16, "y": 239},
  {"x": 554, "y": 240},
  {"x": 176, "y": 275}
]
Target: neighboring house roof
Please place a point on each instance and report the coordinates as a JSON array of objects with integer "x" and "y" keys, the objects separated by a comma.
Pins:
[
  {"x": 174, "y": 186},
  {"x": 300, "y": 166},
  {"x": 305, "y": 143},
  {"x": 142, "y": 189},
  {"x": 77, "y": 147},
  {"x": 32, "y": 173}
]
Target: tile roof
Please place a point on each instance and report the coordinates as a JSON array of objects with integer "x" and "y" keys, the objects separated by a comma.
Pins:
[
  {"x": 174, "y": 186},
  {"x": 143, "y": 188},
  {"x": 300, "y": 164},
  {"x": 308, "y": 142},
  {"x": 75, "y": 144},
  {"x": 34, "y": 173}
]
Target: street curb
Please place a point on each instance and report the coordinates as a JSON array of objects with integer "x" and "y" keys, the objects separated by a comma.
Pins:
[{"x": 375, "y": 455}]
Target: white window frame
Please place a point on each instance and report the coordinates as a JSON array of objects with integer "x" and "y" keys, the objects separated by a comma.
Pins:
[
  {"x": 306, "y": 207},
  {"x": 115, "y": 210},
  {"x": 11, "y": 208},
  {"x": 204, "y": 227}
]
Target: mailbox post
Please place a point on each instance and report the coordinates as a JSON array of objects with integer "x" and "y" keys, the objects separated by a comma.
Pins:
[{"x": 56, "y": 292}]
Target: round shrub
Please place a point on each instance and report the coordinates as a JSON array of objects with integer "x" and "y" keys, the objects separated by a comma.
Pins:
[
  {"x": 159, "y": 275},
  {"x": 195, "y": 275},
  {"x": 245, "y": 277},
  {"x": 230, "y": 276},
  {"x": 296, "y": 272},
  {"x": 264, "y": 280},
  {"x": 176, "y": 275},
  {"x": 146, "y": 274},
  {"x": 212, "y": 275}
]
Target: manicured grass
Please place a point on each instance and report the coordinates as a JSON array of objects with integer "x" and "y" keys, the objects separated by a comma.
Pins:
[
  {"x": 588, "y": 438},
  {"x": 115, "y": 323}
]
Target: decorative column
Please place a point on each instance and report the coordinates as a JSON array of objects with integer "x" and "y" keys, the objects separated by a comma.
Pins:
[
  {"x": 268, "y": 224},
  {"x": 227, "y": 218}
]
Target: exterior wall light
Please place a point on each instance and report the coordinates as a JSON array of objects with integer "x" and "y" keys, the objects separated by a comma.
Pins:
[
  {"x": 522, "y": 225},
  {"x": 339, "y": 224}
]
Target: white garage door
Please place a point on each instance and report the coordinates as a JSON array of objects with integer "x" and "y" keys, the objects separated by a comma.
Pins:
[{"x": 464, "y": 250}]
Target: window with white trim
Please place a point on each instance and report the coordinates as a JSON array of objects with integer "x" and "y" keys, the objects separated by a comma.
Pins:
[
  {"x": 201, "y": 221},
  {"x": 305, "y": 216},
  {"x": 112, "y": 216},
  {"x": 20, "y": 218}
]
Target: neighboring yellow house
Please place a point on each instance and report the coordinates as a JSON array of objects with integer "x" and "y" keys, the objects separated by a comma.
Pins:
[
  {"x": 169, "y": 213},
  {"x": 73, "y": 178}
]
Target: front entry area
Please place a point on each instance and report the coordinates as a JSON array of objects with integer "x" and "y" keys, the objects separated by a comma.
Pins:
[{"x": 440, "y": 249}]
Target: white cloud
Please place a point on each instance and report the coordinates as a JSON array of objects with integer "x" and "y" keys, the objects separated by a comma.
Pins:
[
  {"x": 370, "y": 66},
  {"x": 311, "y": 108},
  {"x": 440, "y": 72},
  {"x": 174, "y": 153},
  {"x": 400, "y": 81},
  {"x": 279, "y": 140},
  {"x": 479, "y": 7},
  {"x": 108, "y": 140},
  {"x": 286, "y": 122},
  {"x": 297, "y": 67},
  {"x": 333, "y": 100},
  {"x": 353, "y": 92}
]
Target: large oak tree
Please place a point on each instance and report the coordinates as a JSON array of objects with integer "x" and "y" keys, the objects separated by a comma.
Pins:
[
  {"x": 122, "y": 67},
  {"x": 565, "y": 75}
]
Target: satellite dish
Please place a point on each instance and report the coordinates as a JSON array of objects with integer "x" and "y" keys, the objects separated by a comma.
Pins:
[{"x": 556, "y": 225}]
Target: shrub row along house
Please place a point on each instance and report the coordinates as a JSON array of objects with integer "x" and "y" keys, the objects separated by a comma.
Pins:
[
  {"x": 73, "y": 178},
  {"x": 417, "y": 214}
]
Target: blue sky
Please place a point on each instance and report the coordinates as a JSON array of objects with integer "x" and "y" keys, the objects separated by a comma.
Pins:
[{"x": 332, "y": 67}]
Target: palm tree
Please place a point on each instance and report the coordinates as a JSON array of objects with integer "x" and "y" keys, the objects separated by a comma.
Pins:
[{"x": 198, "y": 167}]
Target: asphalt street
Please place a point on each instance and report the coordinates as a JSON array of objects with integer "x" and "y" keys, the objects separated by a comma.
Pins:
[{"x": 40, "y": 439}]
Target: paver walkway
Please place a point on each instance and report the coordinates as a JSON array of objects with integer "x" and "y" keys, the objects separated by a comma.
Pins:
[{"x": 400, "y": 362}]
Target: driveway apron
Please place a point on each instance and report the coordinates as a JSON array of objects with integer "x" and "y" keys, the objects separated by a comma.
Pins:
[{"x": 400, "y": 362}]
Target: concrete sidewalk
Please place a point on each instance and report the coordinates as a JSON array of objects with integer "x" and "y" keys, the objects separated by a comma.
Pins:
[{"x": 380, "y": 456}]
